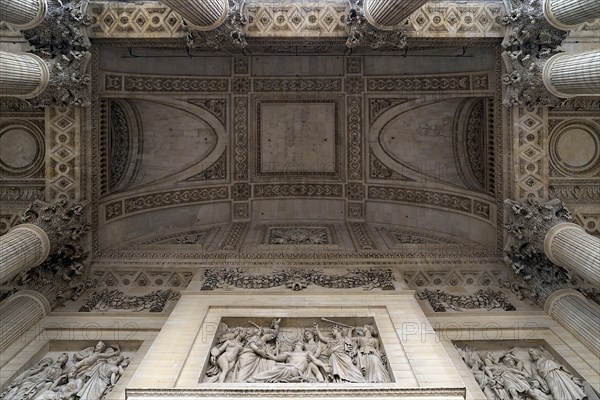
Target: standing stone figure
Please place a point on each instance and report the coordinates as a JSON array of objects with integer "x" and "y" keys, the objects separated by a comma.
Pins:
[
  {"x": 101, "y": 376},
  {"x": 24, "y": 383},
  {"x": 37, "y": 383},
  {"x": 560, "y": 382},
  {"x": 368, "y": 358},
  {"x": 226, "y": 355},
  {"x": 342, "y": 367}
]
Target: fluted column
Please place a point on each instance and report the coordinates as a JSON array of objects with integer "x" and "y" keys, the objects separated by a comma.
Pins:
[
  {"x": 23, "y": 247},
  {"x": 578, "y": 315},
  {"x": 19, "y": 313},
  {"x": 386, "y": 14},
  {"x": 201, "y": 14},
  {"x": 567, "y": 14},
  {"x": 23, "y": 14},
  {"x": 570, "y": 75},
  {"x": 570, "y": 246},
  {"x": 22, "y": 75}
]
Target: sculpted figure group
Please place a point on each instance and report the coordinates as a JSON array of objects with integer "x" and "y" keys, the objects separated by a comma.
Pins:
[
  {"x": 505, "y": 377},
  {"x": 347, "y": 354},
  {"x": 88, "y": 375}
]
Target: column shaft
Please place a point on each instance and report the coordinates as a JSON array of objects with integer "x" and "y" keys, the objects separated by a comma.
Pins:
[
  {"x": 567, "y": 14},
  {"x": 569, "y": 75},
  {"x": 570, "y": 246},
  {"x": 23, "y": 247},
  {"x": 578, "y": 315},
  {"x": 19, "y": 313},
  {"x": 23, "y": 14},
  {"x": 22, "y": 75},
  {"x": 202, "y": 14},
  {"x": 386, "y": 14}
]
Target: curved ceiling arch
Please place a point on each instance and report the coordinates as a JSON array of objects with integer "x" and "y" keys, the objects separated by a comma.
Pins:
[
  {"x": 415, "y": 152},
  {"x": 194, "y": 165}
]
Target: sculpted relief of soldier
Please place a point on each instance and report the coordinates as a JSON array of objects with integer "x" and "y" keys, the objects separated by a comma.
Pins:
[
  {"x": 341, "y": 353},
  {"x": 523, "y": 374},
  {"x": 88, "y": 375}
]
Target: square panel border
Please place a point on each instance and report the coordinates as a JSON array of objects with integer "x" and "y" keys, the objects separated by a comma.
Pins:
[{"x": 338, "y": 100}]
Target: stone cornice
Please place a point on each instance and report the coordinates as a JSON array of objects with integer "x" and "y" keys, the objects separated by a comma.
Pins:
[
  {"x": 153, "y": 20},
  {"x": 298, "y": 392}
]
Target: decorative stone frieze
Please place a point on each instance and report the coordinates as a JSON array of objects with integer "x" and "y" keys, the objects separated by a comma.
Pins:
[
  {"x": 488, "y": 299},
  {"x": 297, "y": 279},
  {"x": 106, "y": 300}
]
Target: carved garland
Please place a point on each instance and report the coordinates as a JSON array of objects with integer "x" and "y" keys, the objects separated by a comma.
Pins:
[
  {"x": 297, "y": 279},
  {"x": 487, "y": 299},
  {"x": 117, "y": 300}
]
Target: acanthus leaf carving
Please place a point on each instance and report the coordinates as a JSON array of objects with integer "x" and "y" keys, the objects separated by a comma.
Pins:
[
  {"x": 62, "y": 275},
  {"x": 62, "y": 28},
  {"x": 229, "y": 33},
  {"x": 60, "y": 40},
  {"x": 362, "y": 33},
  {"x": 528, "y": 45},
  {"x": 529, "y": 223}
]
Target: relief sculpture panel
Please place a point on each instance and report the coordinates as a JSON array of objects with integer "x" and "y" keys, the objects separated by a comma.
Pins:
[
  {"x": 88, "y": 374},
  {"x": 523, "y": 373},
  {"x": 294, "y": 350}
]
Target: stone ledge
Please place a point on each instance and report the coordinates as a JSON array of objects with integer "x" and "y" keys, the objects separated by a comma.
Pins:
[{"x": 296, "y": 391}]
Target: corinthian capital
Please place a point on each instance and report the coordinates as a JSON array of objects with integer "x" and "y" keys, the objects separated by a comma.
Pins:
[{"x": 528, "y": 223}]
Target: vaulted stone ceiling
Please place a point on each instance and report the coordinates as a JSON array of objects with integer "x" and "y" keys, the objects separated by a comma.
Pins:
[
  {"x": 355, "y": 152},
  {"x": 296, "y": 143}
]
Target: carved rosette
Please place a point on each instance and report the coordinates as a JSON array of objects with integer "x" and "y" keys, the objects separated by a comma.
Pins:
[
  {"x": 528, "y": 45},
  {"x": 229, "y": 33},
  {"x": 362, "y": 33},
  {"x": 61, "y": 41}
]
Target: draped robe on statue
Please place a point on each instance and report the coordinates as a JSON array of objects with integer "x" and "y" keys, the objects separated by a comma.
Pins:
[
  {"x": 342, "y": 367},
  {"x": 559, "y": 381}
]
